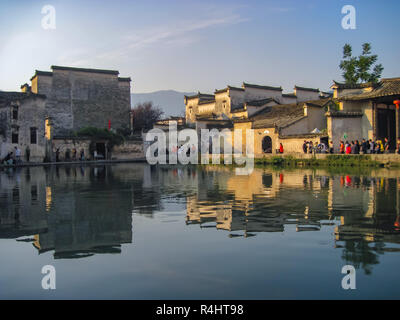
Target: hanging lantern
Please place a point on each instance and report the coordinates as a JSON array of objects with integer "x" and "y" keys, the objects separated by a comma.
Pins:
[{"x": 397, "y": 103}]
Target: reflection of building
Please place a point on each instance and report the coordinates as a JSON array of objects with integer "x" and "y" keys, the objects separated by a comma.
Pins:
[
  {"x": 22, "y": 202},
  {"x": 59, "y": 216},
  {"x": 254, "y": 203},
  {"x": 362, "y": 212}
]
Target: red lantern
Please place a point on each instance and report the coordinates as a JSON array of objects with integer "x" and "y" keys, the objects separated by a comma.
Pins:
[
  {"x": 397, "y": 103},
  {"x": 109, "y": 124}
]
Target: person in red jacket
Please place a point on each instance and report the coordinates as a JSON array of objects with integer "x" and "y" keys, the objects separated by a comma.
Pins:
[
  {"x": 280, "y": 148},
  {"x": 348, "y": 148}
]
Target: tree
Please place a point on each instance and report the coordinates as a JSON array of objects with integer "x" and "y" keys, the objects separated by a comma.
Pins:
[
  {"x": 357, "y": 69},
  {"x": 144, "y": 115}
]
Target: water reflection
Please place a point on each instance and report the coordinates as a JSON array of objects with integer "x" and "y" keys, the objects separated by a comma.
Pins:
[{"x": 76, "y": 211}]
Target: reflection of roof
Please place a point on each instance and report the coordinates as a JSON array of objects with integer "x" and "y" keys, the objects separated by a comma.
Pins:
[
  {"x": 284, "y": 115},
  {"x": 386, "y": 87}
]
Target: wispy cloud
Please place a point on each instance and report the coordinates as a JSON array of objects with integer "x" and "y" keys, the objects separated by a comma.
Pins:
[
  {"x": 162, "y": 33},
  {"x": 180, "y": 34}
]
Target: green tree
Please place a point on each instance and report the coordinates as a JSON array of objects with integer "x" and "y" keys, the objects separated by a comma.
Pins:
[{"x": 358, "y": 69}]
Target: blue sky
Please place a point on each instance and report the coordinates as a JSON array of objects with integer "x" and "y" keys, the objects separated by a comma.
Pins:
[{"x": 196, "y": 45}]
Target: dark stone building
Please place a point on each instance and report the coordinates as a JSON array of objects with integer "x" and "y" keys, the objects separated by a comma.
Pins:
[{"x": 78, "y": 98}]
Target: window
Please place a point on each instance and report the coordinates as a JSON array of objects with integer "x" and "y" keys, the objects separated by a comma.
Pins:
[
  {"x": 33, "y": 135},
  {"x": 14, "y": 113},
  {"x": 14, "y": 137}
]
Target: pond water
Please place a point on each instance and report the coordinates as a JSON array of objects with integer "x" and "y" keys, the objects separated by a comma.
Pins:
[{"x": 131, "y": 231}]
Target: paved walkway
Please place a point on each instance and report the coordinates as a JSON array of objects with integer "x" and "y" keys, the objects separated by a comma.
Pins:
[{"x": 35, "y": 164}]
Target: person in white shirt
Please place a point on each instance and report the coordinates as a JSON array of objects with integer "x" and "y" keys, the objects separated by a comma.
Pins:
[{"x": 17, "y": 154}]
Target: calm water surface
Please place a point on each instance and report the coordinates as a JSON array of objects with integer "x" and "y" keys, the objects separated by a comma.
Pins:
[{"x": 134, "y": 232}]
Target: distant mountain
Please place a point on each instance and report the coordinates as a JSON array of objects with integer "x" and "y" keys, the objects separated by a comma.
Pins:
[{"x": 170, "y": 101}]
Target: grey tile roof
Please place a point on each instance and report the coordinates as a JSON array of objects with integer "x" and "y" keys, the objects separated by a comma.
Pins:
[
  {"x": 260, "y": 102},
  {"x": 283, "y": 115},
  {"x": 114, "y": 72},
  {"x": 9, "y": 96},
  {"x": 386, "y": 87},
  {"x": 256, "y": 86},
  {"x": 306, "y": 89}
]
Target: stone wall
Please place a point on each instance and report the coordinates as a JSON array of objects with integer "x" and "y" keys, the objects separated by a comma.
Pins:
[
  {"x": 70, "y": 144},
  {"x": 78, "y": 98},
  {"x": 31, "y": 114},
  {"x": 130, "y": 149},
  {"x": 338, "y": 126}
]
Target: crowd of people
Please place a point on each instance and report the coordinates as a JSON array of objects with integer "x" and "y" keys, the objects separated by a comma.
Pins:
[
  {"x": 311, "y": 147},
  {"x": 364, "y": 146}
]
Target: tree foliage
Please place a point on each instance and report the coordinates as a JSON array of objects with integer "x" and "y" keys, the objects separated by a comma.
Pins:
[
  {"x": 145, "y": 115},
  {"x": 358, "y": 69}
]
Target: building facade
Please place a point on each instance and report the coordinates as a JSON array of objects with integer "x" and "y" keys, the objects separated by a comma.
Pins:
[
  {"x": 78, "y": 98},
  {"x": 366, "y": 111},
  {"x": 22, "y": 124},
  {"x": 242, "y": 102},
  {"x": 275, "y": 117}
]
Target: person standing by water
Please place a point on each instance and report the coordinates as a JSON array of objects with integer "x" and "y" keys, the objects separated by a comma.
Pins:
[
  {"x": 17, "y": 154},
  {"x": 57, "y": 154},
  {"x": 27, "y": 153},
  {"x": 398, "y": 146},
  {"x": 386, "y": 145},
  {"x": 331, "y": 149},
  {"x": 357, "y": 147},
  {"x": 348, "y": 148},
  {"x": 342, "y": 147},
  {"x": 82, "y": 157},
  {"x": 371, "y": 146},
  {"x": 305, "y": 146},
  {"x": 280, "y": 148},
  {"x": 364, "y": 146}
]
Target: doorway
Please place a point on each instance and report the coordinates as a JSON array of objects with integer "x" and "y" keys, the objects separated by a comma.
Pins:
[
  {"x": 267, "y": 144},
  {"x": 387, "y": 126}
]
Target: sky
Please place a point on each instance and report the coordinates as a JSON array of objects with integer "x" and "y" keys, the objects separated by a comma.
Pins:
[{"x": 196, "y": 45}]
